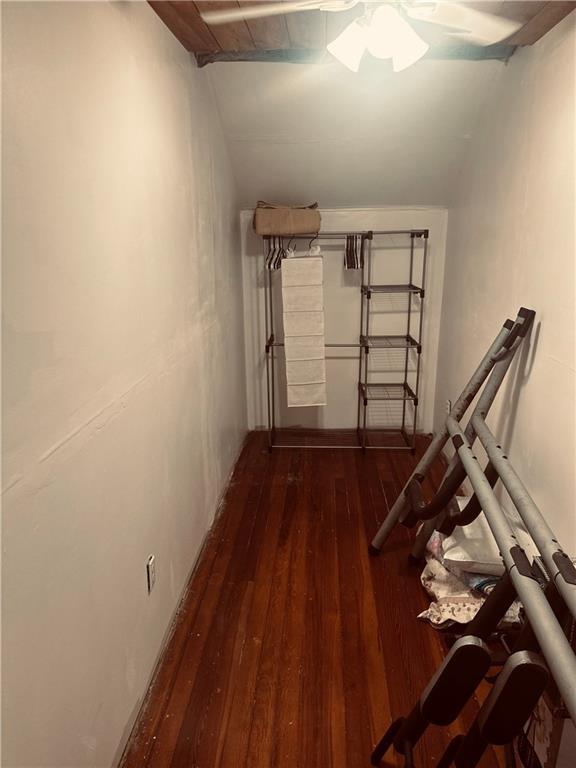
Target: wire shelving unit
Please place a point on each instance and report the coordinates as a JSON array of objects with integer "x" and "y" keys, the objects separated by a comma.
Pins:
[{"x": 371, "y": 389}]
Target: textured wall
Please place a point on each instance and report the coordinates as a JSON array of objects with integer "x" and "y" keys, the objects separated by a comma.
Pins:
[
  {"x": 511, "y": 238},
  {"x": 124, "y": 394}
]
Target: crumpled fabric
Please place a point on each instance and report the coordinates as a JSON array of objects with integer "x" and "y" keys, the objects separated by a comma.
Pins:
[{"x": 454, "y": 601}]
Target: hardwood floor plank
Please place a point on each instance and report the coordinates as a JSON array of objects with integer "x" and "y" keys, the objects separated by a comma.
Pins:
[
  {"x": 357, "y": 706},
  {"x": 208, "y": 695},
  {"x": 235, "y": 739},
  {"x": 361, "y": 498},
  {"x": 322, "y": 725},
  {"x": 287, "y": 720},
  {"x": 261, "y": 737},
  {"x": 293, "y": 647}
]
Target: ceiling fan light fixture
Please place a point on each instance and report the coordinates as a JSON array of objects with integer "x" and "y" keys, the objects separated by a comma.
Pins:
[
  {"x": 350, "y": 45},
  {"x": 391, "y": 37}
]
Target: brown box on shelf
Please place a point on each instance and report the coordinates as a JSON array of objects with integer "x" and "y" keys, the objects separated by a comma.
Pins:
[{"x": 270, "y": 219}]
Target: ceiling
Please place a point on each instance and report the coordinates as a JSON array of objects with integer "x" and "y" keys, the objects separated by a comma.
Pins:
[
  {"x": 341, "y": 138},
  {"x": 303, "y": 36},
  {"x": 346, "y": 139}
]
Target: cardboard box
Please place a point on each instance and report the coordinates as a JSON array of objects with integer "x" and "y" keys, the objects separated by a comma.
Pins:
[{"x": 270, "y": 219}]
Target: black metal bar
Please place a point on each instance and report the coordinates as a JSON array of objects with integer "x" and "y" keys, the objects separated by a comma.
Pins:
[
  {"x": 511, "y": 701},
  {"x": 493, "y": 609},
  {"x": 442, "y": 700},
  {"x": 447, "y": 490},
  {"x": 385, "y": 742},
  {"x": 472, "y": 508}
]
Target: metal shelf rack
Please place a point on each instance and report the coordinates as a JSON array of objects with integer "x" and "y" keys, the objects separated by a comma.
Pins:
[
  {"x": 369, "y": 390},
  {"x": 389, "y": 342},
  {"x": 409, "y": 288}
]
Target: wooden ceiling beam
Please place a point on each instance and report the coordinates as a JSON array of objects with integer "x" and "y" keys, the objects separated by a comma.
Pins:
[
  {"x": 312, "y": 30},
  {"x": 537, "y": 26},
  {"x": 183, "y": 21},
  {"x": 498, "y": 52},
  {"x": 230, "y": 37},
  {"x": 267, "y": 32}
]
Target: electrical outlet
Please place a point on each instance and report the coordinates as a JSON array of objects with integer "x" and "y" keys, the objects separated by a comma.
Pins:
[
  {"x": 151, "y": 573},
  {"x": 448, "y": 406}
]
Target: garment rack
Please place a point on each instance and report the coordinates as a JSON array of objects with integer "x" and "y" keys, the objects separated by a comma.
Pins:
[{"x": 366, "y": 390}]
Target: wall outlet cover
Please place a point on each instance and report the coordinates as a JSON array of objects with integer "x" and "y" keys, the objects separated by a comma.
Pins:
[{"x": 151, "y": 573}]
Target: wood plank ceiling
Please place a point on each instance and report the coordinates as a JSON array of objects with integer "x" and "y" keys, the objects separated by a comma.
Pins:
[{"x": 302, "y": 36}]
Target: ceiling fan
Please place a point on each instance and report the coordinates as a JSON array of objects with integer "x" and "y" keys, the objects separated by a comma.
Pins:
[{"x": 384, "y": 29}]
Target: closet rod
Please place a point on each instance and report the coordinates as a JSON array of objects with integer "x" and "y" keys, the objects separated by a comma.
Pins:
[
  {"x": 353, "y": 344},
  {"x": 318, "y": 236},
  {"x": 337, "y": 235}
]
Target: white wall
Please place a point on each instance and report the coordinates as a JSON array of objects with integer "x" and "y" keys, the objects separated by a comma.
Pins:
[
  {"x": 124, "y": 394},
  {"x": 511, "y": 239},
  {"x": 342, "y": 315},
  {"x": 350, "y": 139}
]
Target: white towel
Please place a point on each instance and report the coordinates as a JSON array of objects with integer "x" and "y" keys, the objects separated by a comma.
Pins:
[
  {"x": 304, "y": 323},
  {"x": 300, "y": 395},
  {"x": 305, "y": 371},
  {"x": 300, "y": 298},
  {"x": 304, "y": 347},
  {"x": 302, "y": 271},
  {"x": 303, "y": 304}
]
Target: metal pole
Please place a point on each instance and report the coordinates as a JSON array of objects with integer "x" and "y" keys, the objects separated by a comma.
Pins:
[
  {"x": 558, "y": 564},
  {"x": 268, "y": 337},
  {"x": 423, "y": 286},
  {"x": 419, "y": 350},
  {"x": 361, "y": 330},
  {"x": 484, "y": 404},
  {"x": 365, "y": 402},
  {"x": 359, "y": 233},
  {"x": 346, "y": 346},
  {"x": 272, "y": 375},
  {"x": 555, "y": 647},
  {"x": 439, "y": 440},
  {"x": 407, "y": 352}
]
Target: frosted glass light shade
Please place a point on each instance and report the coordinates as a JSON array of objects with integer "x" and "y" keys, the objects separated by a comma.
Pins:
[
  {"x": 389, "y": 36},
  {"x": 350, "y": 45}
]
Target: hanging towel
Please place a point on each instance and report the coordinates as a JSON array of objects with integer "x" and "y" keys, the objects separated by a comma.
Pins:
[
  {"x": 302, "y": 323},
  {"x": 304, "y": 347},
  {"x": 302, "y": 271},
  {"x": 303, "y": 298},
  {"x": 303, "y": 304}
]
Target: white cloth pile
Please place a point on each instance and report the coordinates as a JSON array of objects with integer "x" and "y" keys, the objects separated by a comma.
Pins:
[{"x": 462, "y": 569}]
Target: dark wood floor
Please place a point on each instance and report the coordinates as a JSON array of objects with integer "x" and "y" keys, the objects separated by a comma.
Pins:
[{"x": 293, "y": 647}]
